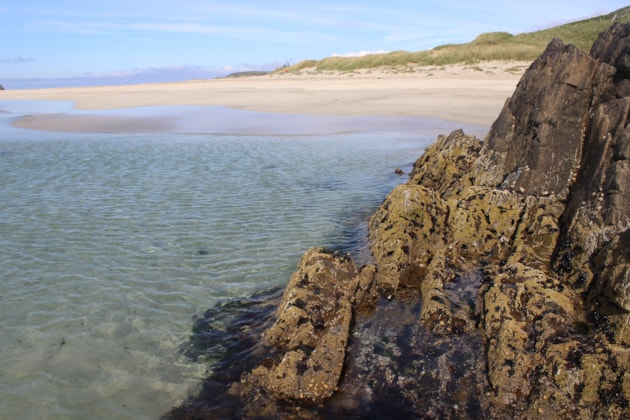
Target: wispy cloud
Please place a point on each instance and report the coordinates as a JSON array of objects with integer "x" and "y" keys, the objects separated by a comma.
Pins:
[
  {"x": 106, "y": 27},
  {"x": 17, "y": 60},
  {"x": 360, "y": 53},
  {"x": 233, "y": 20},
  {"x": 72, "y": 37},
  {"x": 237, "y": 31}
]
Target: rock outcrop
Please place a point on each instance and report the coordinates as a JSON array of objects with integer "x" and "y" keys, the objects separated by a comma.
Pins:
[
  {"x": 312, "y": 329},
  {"x": 501, "y": 275},
  {"x": 543, "y": 210}
]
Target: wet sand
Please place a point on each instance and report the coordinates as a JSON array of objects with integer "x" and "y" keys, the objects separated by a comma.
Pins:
[
  {"x": 471, "y": 95},
  {"x": 93, "y": 123}
]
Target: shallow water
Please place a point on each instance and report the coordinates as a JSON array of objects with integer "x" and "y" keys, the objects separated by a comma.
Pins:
[
  {"x": 111, "y": 243},
  {"x": 62, "y": 116}
]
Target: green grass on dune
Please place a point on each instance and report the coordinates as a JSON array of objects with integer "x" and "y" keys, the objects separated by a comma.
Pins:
[{"x": 487, "y": 46}]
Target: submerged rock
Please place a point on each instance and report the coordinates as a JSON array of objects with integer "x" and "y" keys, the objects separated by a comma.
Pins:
[{"x": 501, "y": 277}]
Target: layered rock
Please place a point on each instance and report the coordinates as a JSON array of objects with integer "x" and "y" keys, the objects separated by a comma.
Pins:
[
  {"x": 514, "y": 250},
  {"x": 307, "y": 342},
  {"x": 543, "y": 209},
  {"x": 311, "y": 332},
  {"x": 535, "y": 145}
]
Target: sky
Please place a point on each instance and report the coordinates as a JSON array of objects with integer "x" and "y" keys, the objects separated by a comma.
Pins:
[{"x": 47, "y": 43}]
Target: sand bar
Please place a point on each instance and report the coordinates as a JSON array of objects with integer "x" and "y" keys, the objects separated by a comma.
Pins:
[{"x": 470, "y": 94}]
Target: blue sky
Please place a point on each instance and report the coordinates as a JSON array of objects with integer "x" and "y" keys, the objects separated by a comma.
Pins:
[{"x": 90, "y": 42}]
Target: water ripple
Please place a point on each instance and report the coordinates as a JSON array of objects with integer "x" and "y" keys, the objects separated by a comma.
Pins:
[{"x": 111, "y": 243}]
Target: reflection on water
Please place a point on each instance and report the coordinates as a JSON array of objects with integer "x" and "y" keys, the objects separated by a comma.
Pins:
[{"x": 60, "y": 116}]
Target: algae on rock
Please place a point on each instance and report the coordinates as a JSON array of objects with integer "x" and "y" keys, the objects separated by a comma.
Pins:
[
  {"x": 501, "y": 274},
  {"x": 544, "y": 212}
]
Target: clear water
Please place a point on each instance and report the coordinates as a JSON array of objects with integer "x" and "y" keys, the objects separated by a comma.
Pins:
[{"x": 110, "y": 244}]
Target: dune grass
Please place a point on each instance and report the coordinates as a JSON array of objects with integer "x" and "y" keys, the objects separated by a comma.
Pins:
[{"x": 487, "y": 46}]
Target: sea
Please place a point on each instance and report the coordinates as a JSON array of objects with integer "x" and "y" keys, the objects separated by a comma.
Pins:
[{"x": 111, "y": 244}]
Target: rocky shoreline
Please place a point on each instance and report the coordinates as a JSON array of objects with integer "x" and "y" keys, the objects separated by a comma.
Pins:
[{"x": 500, "y": 285}]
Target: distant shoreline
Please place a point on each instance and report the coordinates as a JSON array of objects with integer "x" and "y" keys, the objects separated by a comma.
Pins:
[{"x": 469, "y": 94}]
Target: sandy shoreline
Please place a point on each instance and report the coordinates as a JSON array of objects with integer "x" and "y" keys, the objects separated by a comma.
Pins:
[{"x": 470, "y": 94}]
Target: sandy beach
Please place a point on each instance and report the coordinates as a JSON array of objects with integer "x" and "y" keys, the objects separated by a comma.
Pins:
[{"x": 469, "y": 94}]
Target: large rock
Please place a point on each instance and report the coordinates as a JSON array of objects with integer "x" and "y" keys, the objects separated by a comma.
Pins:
[
  {"x": 545, "y": 212},
  {"x": 503, "y": 269},
  {"x": 535, "y": 145},
  {"x": 310, "y": 334},
  {"x": 611, "y": 291},
  {"x": 598, "y": 210},
  {"x": 612, "y": 47}
]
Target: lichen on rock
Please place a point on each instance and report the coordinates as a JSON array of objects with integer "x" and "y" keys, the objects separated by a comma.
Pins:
[
  {"x": 544, "y": 213},
  {"x": 500, "y": 282},
  {"x": 311, "y": 330}
]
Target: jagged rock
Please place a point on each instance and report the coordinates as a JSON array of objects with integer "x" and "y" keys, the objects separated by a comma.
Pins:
[
  {"x": 311, "y": 331},
  {"x": 612, "y": 284},
  {"x": 612, "y": 47},
  {"x": 445, "y": 168},
  {"x": 542, "y": 207},
  {"x": 598, "y": 212},
  {"x": 503, "y": 270},
  {"x": 1, "y": 87},
  {"x": 523, "y": 309},
  {"x": 415, "y": 213},
  {"x": 535, "y": 145},
  {"x": 599, "y": 207},
  {"x": 410, "y": 216}
]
